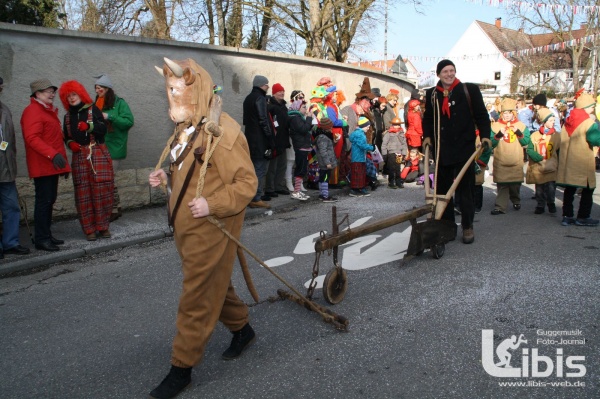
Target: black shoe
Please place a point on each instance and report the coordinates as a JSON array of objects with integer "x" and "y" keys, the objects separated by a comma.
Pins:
[
  {"x": 538, "y": 210},
  {"x": 517, "y": 206},
  {"x": 552, "y": 208},
  {"x": 401, "y": 184},
  {"x": 175, "y": 382},
  {"x": 265, "y": 198},
  {"x": 47, "y": 246},
  {"x": 497, "y": 212},
  {"x": 18, "y": 250},
  {"x": 477, "y": 210},
  {"x": 56, "y": 241},
  {"x": 271, "y": 194},
  {"x": 241, "y": 339},
  {"x": 282, "y": 192}
]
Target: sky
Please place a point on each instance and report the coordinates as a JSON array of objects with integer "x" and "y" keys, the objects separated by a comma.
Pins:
[{"x": 432, "y": 34}]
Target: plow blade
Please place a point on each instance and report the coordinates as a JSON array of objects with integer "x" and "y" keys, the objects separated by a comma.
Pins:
[{"x": 428, "y": 234}]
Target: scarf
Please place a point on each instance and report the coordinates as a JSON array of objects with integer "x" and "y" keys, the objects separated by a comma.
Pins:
[
  {"x": 576, "y": 117},
  {"x": 100, "y": 103},
  {"x": 546, "y": 132},
  {"x": 447, "y": 93}
]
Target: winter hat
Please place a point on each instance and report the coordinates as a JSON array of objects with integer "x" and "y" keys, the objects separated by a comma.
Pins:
[
  {"x": 540, "y": 99},
  {"x": 442, "y": 64},
  {"x": 394, "y": 91},
  {"x": 296, "y": 105},
  {"x": 104, "y": 81},
  {"x": 363, "y": 122},
  {"x": 365, "y": 90},
  {"x": 325, "y": 123},
  {"x": 324, "y": 81},
  {"x": 412, "y": 104},
  {"x": 73, "y": 86},
  {"x": 277, "y": 88},
  {"x": 508, "y": 104},
  {"x": 318, "y": 92},
  {"x": 584, "y": 100},
  {"x": 376, "y": 91},
  {"x": 415, "y": 94},
  {"x": 545, "y": 114},
  {"x": 39, "y": 85},
  {"x": 259, "y": 81}
]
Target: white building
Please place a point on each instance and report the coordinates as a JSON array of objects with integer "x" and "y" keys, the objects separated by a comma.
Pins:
[{"x": 480, "y": 58}]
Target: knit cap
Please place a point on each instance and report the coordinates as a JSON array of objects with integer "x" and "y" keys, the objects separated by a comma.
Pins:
[
  {"x": 363, "y": 122},
  {"x": 104, "y": 81},
  {"x": 540, "y": 99},
  {"x": 259, "y": 81},
  {"x": 443, "y": 64},
  {"x": 325, "y": 123},
  {"x": 277, "y": 87}
]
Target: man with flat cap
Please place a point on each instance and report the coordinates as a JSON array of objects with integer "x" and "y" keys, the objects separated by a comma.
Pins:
[
  {"x": 46, "y": 158},
  {"x": 453, "y": 111}
]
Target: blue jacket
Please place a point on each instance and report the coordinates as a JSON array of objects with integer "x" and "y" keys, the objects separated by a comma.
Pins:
[{"x": 359, "y": 146}]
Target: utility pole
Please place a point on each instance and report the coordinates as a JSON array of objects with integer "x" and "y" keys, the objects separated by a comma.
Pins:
[{"x": 385, "y": 38}]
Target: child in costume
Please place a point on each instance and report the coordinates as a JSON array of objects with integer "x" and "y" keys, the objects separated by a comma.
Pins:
[
  {"x": 414, "y": 134},
  {"x": 509, "y": 136},
  {"x": 576, "y": 160},
  {"x": 394, "y": 150},
  {"x": 543, "y": 163},
  {"x": 411, "y": 167},
  {"x": 325, "y": 156},
  {"x": 358, "y": 177}
]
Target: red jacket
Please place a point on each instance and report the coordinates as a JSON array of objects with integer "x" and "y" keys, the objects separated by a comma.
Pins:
[
  {"x": 43, "y": 139},
  {"x": 415, "y": 129}
]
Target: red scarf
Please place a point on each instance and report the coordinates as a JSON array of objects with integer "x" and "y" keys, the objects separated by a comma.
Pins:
[
  {"x": 543, "y": 130},
  {"x": 447, "y": 93},
  {"x": 576, "y": 117}
]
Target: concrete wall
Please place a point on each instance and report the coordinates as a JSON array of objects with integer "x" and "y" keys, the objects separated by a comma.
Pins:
[{"x": 28, "y": 53}]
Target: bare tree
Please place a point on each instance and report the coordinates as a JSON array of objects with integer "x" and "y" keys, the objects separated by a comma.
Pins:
[{"x": 561, "y": 21}]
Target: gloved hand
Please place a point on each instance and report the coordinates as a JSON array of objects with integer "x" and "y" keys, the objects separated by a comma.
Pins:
[
  {"x": 426, "y": 142},
  {"x": 83, "y": 126},
  {"x": 74, "y": 146},
  {"x": 59, "y": 161},
  {"x": 499, "y": 136},
  {"x": 519, "y": 133},
  {"x": 486, "y": 143}
]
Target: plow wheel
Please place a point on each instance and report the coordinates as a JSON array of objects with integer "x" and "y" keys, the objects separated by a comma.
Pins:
[
  {"x": 438, "y": 250},
  {"x": 335, "y": 285}
]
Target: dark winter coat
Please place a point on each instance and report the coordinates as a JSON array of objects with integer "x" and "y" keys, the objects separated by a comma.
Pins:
[
  {"x": 279, "y": 115},
  {"x": 457, "y": 133},
  {"x": 300, "y": 130},
  {"x": 258, "y": 126}
]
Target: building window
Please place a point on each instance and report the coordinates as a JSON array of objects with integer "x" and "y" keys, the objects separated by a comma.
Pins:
[
  {"x": 496, "y": 75},
  {"x": 546, "y": 75},
  {"x": 569, "y": 76}
]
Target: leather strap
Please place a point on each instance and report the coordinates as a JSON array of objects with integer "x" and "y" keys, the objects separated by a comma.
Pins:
[{"x": 186, "y": 182}]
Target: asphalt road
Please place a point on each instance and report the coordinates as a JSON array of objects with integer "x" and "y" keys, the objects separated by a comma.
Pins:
[{"x": 102, "y": 326}]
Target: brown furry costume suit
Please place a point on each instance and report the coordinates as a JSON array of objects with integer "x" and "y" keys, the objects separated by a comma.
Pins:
[{"x": 207, "y": 255}]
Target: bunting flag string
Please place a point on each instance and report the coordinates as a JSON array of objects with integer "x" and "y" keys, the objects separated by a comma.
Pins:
[
  {"x": 543, "y": 7},
  {"x": 510, "y": 54}
]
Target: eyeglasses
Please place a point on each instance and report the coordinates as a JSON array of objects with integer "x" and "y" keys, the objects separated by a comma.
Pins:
[{"x": 49, "y": 91}]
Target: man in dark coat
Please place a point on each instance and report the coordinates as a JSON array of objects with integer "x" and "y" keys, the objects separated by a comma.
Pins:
[
  {"x": 277, "y": 107},
  {"x": 259, "y": 133},
  {"x": 456, "y": 108}
]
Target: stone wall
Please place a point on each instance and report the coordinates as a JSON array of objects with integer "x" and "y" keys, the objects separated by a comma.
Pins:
[{"x": 28, "y": 53}]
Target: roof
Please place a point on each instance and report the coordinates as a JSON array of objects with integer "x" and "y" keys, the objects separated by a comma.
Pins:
[{"x": 507, "y": 40}]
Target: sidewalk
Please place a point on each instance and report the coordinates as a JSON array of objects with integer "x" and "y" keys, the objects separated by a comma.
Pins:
[{"x": 134, "y": 227}]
